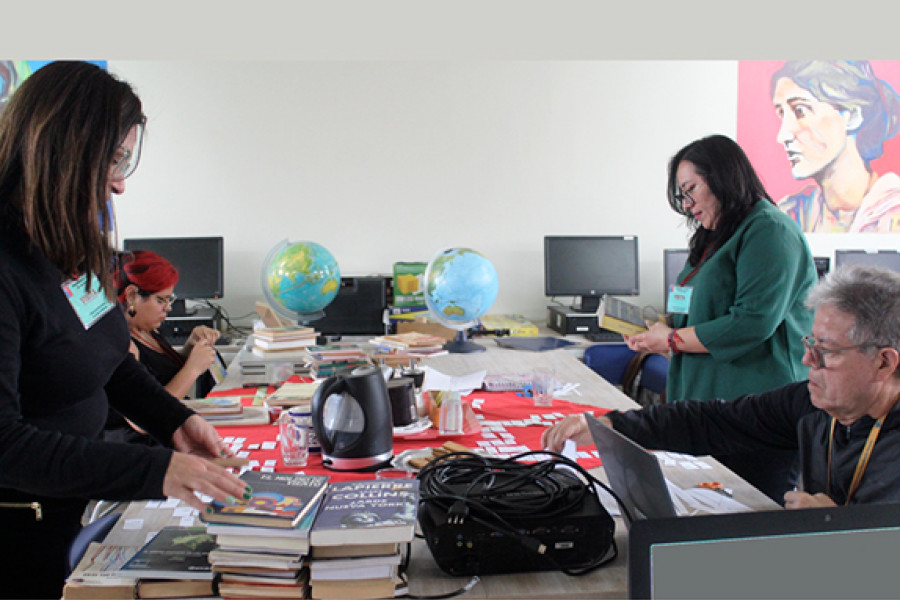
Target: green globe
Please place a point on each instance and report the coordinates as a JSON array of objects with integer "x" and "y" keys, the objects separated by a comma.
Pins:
[
  {"x": 300, "y": 279},
  {"x": 460, "y": 286}
]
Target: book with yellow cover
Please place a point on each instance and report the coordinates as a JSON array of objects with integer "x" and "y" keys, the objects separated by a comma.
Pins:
[
  {"x": 620, "y": 316},
  {"x": 517, "y": 324}
]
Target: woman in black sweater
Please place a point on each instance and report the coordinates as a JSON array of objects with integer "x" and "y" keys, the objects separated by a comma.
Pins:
[{"x": 69, "y": 137}]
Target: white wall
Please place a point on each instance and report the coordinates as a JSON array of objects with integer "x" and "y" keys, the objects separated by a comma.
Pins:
[{"x": 389, "y": 161}]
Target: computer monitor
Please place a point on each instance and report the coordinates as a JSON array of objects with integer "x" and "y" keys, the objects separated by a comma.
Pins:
[
  {"x": 674, "y": 260},
  {"x": 889, "y": 259},
  {"x": 589, "y": 266},
  {"x": 200, "y": 262},
  {"x": 839, "y": 552}
]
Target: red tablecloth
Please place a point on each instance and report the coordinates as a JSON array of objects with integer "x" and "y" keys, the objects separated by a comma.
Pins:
[{"x": 510, "y": 424}]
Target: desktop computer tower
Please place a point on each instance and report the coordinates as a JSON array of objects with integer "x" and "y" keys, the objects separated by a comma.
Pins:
[
  {"x": 567, "y": 321},
  {"x": 358, "y": 309},
  {"x": 176, "y": 329}
]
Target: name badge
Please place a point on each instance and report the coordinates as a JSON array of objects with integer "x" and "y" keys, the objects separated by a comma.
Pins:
[
  {"x": 89, "y": 304},
  {"x": 679, "y": 299}
]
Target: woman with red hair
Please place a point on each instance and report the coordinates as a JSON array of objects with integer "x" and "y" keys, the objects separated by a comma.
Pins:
[{"x": 145, "y": 284}]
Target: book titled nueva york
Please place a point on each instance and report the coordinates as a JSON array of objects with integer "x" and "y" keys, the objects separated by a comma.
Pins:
[
  {"x": 367, "y": 512},
  {"x": 278, "y": 500}
]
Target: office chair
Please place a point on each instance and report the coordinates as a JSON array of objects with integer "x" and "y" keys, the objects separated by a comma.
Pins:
[
  {"x": 653, "y": 374},
  {"x": 609, "y": 361},
  {"x": 92, "y": 532}
]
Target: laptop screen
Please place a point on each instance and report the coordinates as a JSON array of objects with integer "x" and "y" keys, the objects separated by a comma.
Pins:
[
  {"x": 843, "y": 552},
  {"x": 634, "y": 473}
]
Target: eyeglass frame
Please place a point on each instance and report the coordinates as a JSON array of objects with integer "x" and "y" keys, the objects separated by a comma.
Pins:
[
  {"x": 680, "y": 196},
  {"x": 818, "y": 353},
  {"x": 167, "y": 300},
  {"x": 123, "y": 167}
]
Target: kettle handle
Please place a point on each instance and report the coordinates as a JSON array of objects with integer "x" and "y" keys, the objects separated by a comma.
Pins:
[{"x": 333, "y": 385}]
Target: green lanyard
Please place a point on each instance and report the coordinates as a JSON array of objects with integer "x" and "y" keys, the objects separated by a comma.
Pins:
[{"x": 864, "y": 456}]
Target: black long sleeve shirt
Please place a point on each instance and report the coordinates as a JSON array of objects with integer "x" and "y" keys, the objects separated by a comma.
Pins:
[
  {"x": 783, "y": 418},
  {"x": 56, "y": 382}
]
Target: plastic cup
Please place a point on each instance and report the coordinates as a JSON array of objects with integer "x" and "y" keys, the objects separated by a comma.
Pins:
[
  {"x": 294, "y": 438},
  {"x": 392, "y": 473},
  {"x": 542, "y": 384}
]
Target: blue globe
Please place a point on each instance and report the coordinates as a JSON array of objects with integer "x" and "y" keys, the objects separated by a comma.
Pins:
[
  {"x": 300, "y": 279},
  {"x": 460, "y": 286}
]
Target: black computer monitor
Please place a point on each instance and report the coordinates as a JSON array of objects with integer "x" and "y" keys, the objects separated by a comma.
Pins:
[
  {"x": 200, "y": 262},
  {"x": 839, "y": 552},
  {"x": 589, "y": 266},
  {"x": 674, "y": 260},
  {"x": 889, "y": 259}
]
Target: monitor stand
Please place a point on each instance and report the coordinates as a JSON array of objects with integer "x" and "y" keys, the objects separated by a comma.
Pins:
[
  {"x": 180, "y": 309},
  {"x": 588, "y": 304}
]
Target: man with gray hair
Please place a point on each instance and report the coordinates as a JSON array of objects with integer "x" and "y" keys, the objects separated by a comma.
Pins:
[{"x": 843, "y": 421}]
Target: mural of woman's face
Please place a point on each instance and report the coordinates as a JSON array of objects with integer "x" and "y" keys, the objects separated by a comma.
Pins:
[{"x": 812, "y": 132}]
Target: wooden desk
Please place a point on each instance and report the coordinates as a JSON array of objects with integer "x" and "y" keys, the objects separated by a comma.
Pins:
[{"x": 426, "y": 578}]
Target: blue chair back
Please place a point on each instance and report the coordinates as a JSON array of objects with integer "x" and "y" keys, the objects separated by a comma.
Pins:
[
  {"x": 654, "y": 372},
  {"x": 92, "y": 532},
  {"x": 608, "y": 360}
]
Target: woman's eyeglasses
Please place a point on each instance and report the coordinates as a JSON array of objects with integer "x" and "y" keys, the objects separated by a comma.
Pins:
[
  {"x": 683, "y": 197},
  {"x": 125, "y": 161},
  {"x": 166, "y": 301}
]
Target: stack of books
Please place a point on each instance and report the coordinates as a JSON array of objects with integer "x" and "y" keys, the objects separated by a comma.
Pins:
[
  {"x": 217, "y": 407},
  {"x": 273, "y": 368},
  {"x": 401, "y": 347},
  {"x": 262, "y": 544},
  {"x": 173, "y": 564},
  {"x": 271, "y": 340},
  {"x": 358, "y": 539},
  {"x": 326, "y": 361}
]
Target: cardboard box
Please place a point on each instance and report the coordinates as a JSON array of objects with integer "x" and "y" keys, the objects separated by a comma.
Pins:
[{"x": 409, "y": 283}]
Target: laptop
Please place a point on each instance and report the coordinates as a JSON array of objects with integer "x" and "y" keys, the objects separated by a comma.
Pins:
[
  {"x": 634, "y": 474},
  {"x": 838, "y": 552}
]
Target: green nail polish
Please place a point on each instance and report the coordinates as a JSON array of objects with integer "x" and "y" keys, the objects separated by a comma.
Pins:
[
  {"x": 209, "y": 509},
  {"x": 247, "y": 495},
  {"x": 230, "y": 499},
  {"x": 248, "y": 490}
]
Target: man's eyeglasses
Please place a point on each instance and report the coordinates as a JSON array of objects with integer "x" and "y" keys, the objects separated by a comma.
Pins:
[
  {"x": 683, "y": 197},
  {"x": 817, "y": 352}
]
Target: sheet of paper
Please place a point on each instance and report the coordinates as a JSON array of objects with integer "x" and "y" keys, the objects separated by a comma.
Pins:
[
  {"x": 465, "y": 384},
  {"x": 695, "y": 501}
]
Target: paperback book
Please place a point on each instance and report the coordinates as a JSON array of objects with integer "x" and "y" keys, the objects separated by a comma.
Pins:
[
  {"x": 279, "y": 500},
  {"x": 173, "y": 553},
  {"x": 367, "y": 512}
]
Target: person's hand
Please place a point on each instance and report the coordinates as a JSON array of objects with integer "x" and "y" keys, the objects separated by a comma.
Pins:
[
  {"x": 655, "y": 339},
  {"x": 573, "y": 427},
  {"x": 202, "y": 334},
  {"x": 197, "y": 436},
  {"x": 188, "y": 474},
  {"x": 797, "y": 499},
  {"x": 190, "y": 471},
  {"x": 201, "y": 356}
]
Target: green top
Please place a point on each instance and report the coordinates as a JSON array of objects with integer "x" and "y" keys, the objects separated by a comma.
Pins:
[{"x": 747, "y": 310}]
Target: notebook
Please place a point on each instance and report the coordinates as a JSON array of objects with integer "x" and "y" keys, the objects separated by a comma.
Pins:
[{"x": 634, "y": 474}]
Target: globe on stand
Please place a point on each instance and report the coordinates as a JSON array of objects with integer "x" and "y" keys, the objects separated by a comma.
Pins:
[
  {"x": 460, "y": 286},
  {"x": 299, "y": 279}
]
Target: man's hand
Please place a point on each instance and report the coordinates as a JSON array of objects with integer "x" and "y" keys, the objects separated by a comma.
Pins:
[
  {"x": 573, "y": 427},
  {"x": 804, "y": 500}
]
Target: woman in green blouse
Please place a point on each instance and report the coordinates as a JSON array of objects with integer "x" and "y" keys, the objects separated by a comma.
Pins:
[{"x": 738, "y": 312}]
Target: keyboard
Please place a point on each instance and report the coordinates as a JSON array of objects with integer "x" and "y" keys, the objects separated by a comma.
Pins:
[{"x": 604, "y": 335}]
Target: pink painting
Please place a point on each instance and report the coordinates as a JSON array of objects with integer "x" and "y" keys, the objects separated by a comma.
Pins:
[{"x": 823, "y": 137}]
